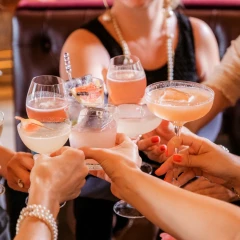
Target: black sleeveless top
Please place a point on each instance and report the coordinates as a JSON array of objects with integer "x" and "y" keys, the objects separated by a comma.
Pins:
[{"x": 184, "y": 59}]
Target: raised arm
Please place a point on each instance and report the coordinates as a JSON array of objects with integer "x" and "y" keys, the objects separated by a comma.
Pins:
[
  {"x": 53, "y": 181},
  {"x": 178, "y": 212}
]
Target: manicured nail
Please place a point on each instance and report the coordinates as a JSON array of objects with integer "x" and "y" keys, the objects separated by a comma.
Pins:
[
  {"x": 177, "y": 158},
  {"x": 163, "y": 148},
  {"x": 155, "y": 139}
]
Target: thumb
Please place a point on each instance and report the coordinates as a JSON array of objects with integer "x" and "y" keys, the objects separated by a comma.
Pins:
[{"x": 97, "y": 154}]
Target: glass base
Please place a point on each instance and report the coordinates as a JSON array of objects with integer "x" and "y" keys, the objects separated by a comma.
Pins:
[{"x": 124, "y": 209}]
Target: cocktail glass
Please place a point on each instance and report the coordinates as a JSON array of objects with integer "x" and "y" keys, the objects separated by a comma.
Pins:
[
  {"x": 94, "y": 127},
  {"x": 48, "y": 139},
  {"x": 126, "y": 80},
  {"x": 134, "y": 120},
  {"x": 46, "y": 99},
  {"x": 179, "y": 102},
  {"x": 87, "y": 90}
]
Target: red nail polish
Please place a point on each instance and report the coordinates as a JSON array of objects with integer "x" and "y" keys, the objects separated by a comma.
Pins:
[
  {"x": 177, "y": 158},
  {"x": 163, "y": 148},
  {"x": 155, "y": 139}
]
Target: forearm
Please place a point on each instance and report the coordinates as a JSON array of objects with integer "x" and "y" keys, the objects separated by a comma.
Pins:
[
  {"x": 31, "y": 227},
  {"x": 181, "y": 213},
  {"x": 6, "y": 155}
]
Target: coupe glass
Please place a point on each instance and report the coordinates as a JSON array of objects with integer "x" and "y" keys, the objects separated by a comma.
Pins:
[
  {"x": 46, "y": 99},
  {"x": 179, "y": 102},
  {"x": 126, "y": 80},
  {"x": 48, "y": 139},
  {"x": 94, "y": 127}
]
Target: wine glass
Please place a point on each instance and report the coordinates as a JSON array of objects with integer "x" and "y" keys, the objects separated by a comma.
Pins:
[
  {"x": 179, "y": 102},
  {"x": 126, "y": 80},
  {"x": 126, "y": 83},
  {"x": 94, "y": 127},
  {"x": 46, "y": 99}
]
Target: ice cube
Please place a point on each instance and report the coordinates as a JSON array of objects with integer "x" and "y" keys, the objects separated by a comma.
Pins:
[{"x": 173, "y": 95}]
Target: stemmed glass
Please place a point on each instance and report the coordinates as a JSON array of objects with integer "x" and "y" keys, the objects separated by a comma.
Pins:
[
  {"x": 126, "y": 83},
  {"x": 46, "y": 99},
  {"x": 126, "y": 80},
  {"x": 179, "y": 102}
]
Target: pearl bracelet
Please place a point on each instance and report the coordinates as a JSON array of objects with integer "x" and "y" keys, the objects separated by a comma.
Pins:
[{"x": 43, "y": 214}]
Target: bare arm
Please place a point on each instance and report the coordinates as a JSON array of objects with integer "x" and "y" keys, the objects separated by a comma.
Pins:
[
  {"x": 32, "y": 228},
  {"x": 87, "y": 55},
  {"x": 207, "y": 58},
  {"x": 6, "y": 155}
]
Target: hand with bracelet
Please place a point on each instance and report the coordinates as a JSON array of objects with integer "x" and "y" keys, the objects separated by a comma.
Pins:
[
  {"x": 201, "y": 157},
  {"x": 54, "y": 180}
]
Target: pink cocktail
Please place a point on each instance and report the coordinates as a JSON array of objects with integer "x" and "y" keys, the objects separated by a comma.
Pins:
[
  {"x": 126, "y": 80},
  {"x": 179, "y": 101},
  {"x": 46, "y": 99}
]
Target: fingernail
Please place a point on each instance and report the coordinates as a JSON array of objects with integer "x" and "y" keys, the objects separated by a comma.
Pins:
[
  {"x": 177, "y": 158},
  {"x": 162, "y": 148},
  {"x": 155, "y": 139}
]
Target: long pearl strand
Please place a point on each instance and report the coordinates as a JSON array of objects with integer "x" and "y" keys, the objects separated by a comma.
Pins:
[{"x": 108, "y": 16}]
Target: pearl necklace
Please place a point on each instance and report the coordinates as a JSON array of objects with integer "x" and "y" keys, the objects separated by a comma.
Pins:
[{"x": 170, "y": 52}]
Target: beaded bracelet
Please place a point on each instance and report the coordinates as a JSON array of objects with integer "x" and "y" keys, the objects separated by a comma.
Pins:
[{"x": 43, "y": 214}]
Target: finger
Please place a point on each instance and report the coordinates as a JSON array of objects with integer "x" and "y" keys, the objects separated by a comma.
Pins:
[
  {"x": 59, "y": 152},
  {"x": 120, "y": 138},
  {"x": 22, "y": 174},
  {"x": 157, "y": 153},
  {"x": 165, "y": 167},
  {"x": 186, "y": 176},
  {"x": 100, "y": 155},
  {"x": 144, "y": 144},
  {"x": 187, "y": 139}
]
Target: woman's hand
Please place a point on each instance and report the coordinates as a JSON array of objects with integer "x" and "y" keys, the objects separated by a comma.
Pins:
[
  {"x": 62, "y": 175},
  {"x": 115, "y": 161},
  {"x": 200, "y": 158},
  {"x": 18, "y": 171}
]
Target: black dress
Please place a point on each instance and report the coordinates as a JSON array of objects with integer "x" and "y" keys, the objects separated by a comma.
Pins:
[{"x": 94, "y": 214}]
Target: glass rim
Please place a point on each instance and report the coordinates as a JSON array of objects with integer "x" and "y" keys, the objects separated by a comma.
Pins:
[
  {"x": 45, "y": 75},
  {"x": 125, "y": 55},
  {"x": 103, "y": 106},
  {"x": 192, "y": 84}
]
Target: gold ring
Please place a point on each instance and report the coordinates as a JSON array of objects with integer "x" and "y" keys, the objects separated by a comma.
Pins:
[{"x": 20, "y": 183}]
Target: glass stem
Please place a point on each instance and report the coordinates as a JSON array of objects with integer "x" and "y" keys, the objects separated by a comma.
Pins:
[{"x": 177, "y": 130}]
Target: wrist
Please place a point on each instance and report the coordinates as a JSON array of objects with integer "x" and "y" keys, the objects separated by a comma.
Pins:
[{"x": 45, "y": 197}]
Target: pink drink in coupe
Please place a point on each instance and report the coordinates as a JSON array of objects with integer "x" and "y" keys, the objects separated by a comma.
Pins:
[
  {"x": 47, "y": 109},
  {"x": 126, "y": 86},
  {"x": 181, "y": 104}
]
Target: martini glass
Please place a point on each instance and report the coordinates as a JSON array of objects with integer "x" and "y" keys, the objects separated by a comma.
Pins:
[{"x": 179, "y": 102}]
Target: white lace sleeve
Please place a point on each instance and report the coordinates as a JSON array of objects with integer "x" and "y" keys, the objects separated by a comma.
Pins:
[{"x": 226, "y": 76}]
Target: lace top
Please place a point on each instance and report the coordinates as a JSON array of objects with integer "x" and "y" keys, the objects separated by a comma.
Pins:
[{"x": 184, "y": 59}]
